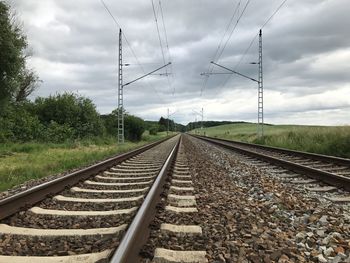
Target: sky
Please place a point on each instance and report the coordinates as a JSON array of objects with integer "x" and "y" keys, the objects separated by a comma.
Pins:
[{"x": 306, "y": 54}]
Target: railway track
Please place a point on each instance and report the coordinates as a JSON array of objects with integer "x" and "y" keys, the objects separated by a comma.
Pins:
[
  {"x": 176, "y": 235},
  {"x": 90, "y": 215},
  {"x": 177, "y": 201},
  {"x": 290, "y": 164}
]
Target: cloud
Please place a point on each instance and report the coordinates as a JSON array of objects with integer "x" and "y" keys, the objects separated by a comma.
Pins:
[{"x": 305, "y": 57}]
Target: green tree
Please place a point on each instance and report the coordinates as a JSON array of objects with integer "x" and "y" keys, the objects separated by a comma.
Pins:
[
  {"x": 134, "y": 126},
  {"x": 71, "y": 110},
  {"x": 16, "y": 81},
  {"x": 19, "y": 124}
]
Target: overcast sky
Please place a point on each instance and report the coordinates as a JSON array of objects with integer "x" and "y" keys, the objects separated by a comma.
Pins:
[{"x": 306, "y": 54}]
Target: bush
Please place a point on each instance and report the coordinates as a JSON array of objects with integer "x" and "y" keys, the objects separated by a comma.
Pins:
[
  {"x": 134, "y": 128},
  {"x": 17, "y": 124},
  {"x": 72, "y": 111},
  {"x": 57, "y": 133},
  {"x": 153, "y": 130},
  {"x": 162, "y": 128}
]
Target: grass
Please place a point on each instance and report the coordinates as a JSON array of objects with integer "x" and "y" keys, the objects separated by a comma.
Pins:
[
  {"x": 329, "y": 140},
  {"x": 20, "y": 162}
]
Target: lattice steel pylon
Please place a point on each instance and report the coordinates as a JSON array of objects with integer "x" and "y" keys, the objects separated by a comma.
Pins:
[
  {"x": 260, "y": 126},
  {"x": 120, "y": 93}
]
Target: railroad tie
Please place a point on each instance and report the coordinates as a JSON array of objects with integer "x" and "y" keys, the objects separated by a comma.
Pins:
[
  {"x": 181, "y": 177},
  {"x": 307, "y": 181},
  {"x": 181, "y": 189},
  {"x": 99, "y": 177},
  {"x": 84, "y": 190},
  {"x": 322, "y": 189},
  {"x": 121, "y": 175},
  {"x": 88, "y": 182},
  {"x": 86, "y": 258},
  {"x": 25, "y": 231},
  {"x": 182, "y": 200},
  {"x": 176, "y": 209},
  {"x": 181, "y": 230},
  {"x": 43, "y": 211},
  {"x": 339, "y": 199},
  {"x": 162, "y": 255},
  {"x": 97, "y": 200},
  {"x": 176, "y": 181}
]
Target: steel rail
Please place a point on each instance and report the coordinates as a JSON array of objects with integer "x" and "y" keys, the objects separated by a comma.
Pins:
[
  {"x": 138, "y": 231},
  {"x": 329, "y": 178},
  {"x": 29, "y": 197}
]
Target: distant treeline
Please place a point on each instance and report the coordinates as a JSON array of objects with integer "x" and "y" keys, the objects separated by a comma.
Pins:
[
  {"x": 162, "y": 125},
  {"x": 207, "y": 124}
]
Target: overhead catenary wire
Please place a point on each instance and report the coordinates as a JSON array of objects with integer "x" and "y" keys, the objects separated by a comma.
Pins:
[
  {"x": 159, "y": 38},
  {"x": 253, "y": 40},
  {"x": 166, "y": 42},
  {"x": 227, "y": 29},
  {"x": 130, "y": 48},
  {"x": 233, "y": 29},
  {"x": 256, "y": 35},
  {"x": 210, "y": 67},
  {"x": 216, "y": 58},
  {"x": 157, "y": 26}
]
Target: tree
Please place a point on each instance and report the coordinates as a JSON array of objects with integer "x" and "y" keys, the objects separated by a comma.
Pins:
[
  {"x": 72, "y": 110},
  {"x": 28, "y": 82},
  {"x": 16, "y": 81},
  {"x": 133, "y": 126}
]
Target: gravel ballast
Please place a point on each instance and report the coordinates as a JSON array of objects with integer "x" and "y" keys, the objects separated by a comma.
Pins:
[{"x": 250, "y": 216}]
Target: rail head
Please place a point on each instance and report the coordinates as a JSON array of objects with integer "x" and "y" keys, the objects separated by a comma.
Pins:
[
  {"x": 33, "y": 195},
  {"x": 138, "y": 231}
]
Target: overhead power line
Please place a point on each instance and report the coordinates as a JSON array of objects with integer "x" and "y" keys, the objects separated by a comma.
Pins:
[
  {"x": 253, "y": 40},
  {"x": 233, "y": 29},
  {"x": 165, "y": 33},
  {"x": 159, "y": 36},
  {"x": 167, "y": 43},
  {"x": 217, "y": 57},
  {"x": 210, "y": 66},
  {"x": 227, "y": 28},
  {"x": 130, "y": 48},
  {"x": 256, "y": 35}
]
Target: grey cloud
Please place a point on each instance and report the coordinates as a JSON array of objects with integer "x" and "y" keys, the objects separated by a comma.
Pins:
[{"x": 80, "y": 39}]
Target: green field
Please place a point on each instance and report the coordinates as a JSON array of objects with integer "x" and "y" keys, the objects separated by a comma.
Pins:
[
  {"x": 20, "y": 162},
  {"x": 329, "y": 140}
]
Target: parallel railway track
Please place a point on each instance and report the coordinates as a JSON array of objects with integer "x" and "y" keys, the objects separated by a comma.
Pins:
[{"x": 328, "y": 169}]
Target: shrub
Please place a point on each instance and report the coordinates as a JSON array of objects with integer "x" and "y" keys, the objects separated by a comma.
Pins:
[
  {"x": 153, "y": 130},
  {"x": 134, "y": 128},
  {"x": 57, "y": 133},
  {"x": 17, "y": 124},
  {"x": 70, "y": 110}
]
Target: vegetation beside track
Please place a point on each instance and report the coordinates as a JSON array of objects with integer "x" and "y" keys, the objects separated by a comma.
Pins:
[
  {"x": 21, "y": 162},
  {"x": 328, "y": 140}
]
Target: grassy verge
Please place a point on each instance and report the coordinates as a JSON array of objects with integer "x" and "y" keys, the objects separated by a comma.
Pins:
[
  {"x": 329, "y": 140},
  {"x": 20, "y": 162}
]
